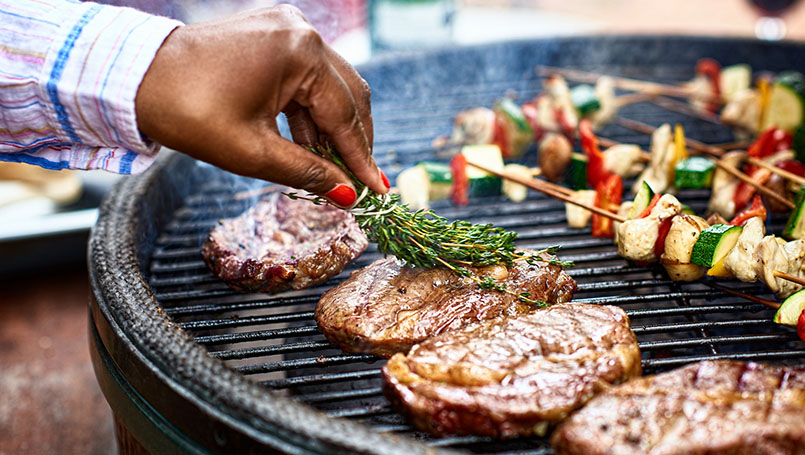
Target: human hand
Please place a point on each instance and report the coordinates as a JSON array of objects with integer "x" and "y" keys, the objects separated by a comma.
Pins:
[{"x": 215, "y": 88}]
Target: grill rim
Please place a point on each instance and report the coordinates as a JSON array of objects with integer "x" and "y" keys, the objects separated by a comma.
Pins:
[{"x": 145, "y": 346}]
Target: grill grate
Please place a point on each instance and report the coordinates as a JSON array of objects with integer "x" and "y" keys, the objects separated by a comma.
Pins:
[{"x": 273, "y": 339}]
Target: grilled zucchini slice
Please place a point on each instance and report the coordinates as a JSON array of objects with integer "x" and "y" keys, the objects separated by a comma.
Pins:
[{"x": 714, "y": 244}]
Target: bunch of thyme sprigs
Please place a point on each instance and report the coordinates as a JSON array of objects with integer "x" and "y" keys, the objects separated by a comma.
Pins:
[{"x": 424, "y": 239}]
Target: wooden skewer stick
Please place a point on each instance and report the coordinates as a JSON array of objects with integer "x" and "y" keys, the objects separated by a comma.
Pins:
[
  {"x": 745, "y": 178},
  {"x": 737, "y": 145},
  {"x": 776, "y": 170},
  {"x": 751, "y": 298},
  {"x": 552, "y": 191},
  {"x": 633, "y": 98},
  {"x": 789, "y": 277},
  {"x": 624, "y": 83},
  {"x": 607, "y": 143},
  {"x": 686, "y": 109}
]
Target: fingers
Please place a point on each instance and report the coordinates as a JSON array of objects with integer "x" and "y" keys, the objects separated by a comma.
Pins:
[
  {"x": 361, "y": 92},
  {"x": 333, "y": 109},
  {"x": 287, "y": 163},
  {"x": 303, "y": 130}
]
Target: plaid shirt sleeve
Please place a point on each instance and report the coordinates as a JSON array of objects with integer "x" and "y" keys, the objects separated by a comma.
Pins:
[{"x": 69, "y": 73}]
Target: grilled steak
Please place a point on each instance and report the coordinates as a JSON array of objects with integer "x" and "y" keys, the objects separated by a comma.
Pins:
[
  {"x": 386, "y": 307},
  {"x": 513, "y": 376},
  {"x": 714, "y": 407},
  {"x": 282, "y": 243}
]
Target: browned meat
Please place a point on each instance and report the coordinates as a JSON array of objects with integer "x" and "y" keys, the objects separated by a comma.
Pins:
[
  {"x": 386, "y": 307},
  {"x": 714, "y": 407},
  {"x": 282, "y": 243},
  {"x": 513, "y": 376}
]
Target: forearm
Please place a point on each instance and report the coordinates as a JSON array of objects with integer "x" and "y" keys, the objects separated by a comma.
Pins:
[{"x": 69, "y": 73}]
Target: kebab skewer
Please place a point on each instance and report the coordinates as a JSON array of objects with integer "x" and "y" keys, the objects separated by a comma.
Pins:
[
  {"x": 773, "y": 101},
  {"x": 686, "y": 245},
  {"x": 769, "y": 162}
]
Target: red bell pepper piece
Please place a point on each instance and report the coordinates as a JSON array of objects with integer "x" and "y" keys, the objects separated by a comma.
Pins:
[
  {"x": 500, "y": 137},
  {"x": 596, "y": 172},
  {"x": 564, "y": 124},
  {"x": 651, "y": 205},
  {"x": 801, "y": 326},
  {"x": 745, "y": 191},
  {"x": 792, "y": 166},
  {"x": 771, "y": 141},
  {"x": 756, "y": 209},
  {"x": 782, "y": 140},
  {"x": 763, "y": 145},
  {"x": 711, "y": 69},
  {"x": 662, "y": 231},
  {"x": 608, "y": 195},
  {"x": 530, "y": 112},
  {"x": 459, "y": 192}
]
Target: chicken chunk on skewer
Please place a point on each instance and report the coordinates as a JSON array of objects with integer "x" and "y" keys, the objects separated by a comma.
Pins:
[
  {"x": 623, "y": 159},
  {"x": 682, "y": 235},
  {"x": 724, "y": 186},
  {"x": 742, "y": 261},
  {"x": 743, "y": 110},
  {"x": 656, "y": 173},
  {"x": 770, "y": 258},
  {"x": 795, "y": 252},
  {"x": 637, "y": 238}
]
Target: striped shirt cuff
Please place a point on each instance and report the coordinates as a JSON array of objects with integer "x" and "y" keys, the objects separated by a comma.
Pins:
[{"x": 89, "y": 81}]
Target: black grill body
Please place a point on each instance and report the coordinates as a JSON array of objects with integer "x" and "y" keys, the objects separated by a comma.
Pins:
[{"x": 190, "y": 366}]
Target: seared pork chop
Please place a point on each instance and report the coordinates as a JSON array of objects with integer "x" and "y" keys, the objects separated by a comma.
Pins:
[
  {"x": 282, "y": 244},
  {"x": 387, "y": 307},
  {"x": 513, "y": 375},
  {"x": 714, "y": 407}
]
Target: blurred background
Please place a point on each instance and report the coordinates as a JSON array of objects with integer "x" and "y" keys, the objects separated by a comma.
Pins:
[
  {"x": 362, "y": 28},
  {"x": 50, "y": 401}
]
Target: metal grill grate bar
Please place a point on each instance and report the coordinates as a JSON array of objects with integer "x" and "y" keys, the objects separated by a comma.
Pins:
[
  {"x": 335, "y": 396},
  {"x": 762, "y": 355},
  {"x": 680, "y": 343},
  {"x": 320, "y": 361},
  {"x": 240, "y": 322},
  {"x": 368, "y": 411},
  {"x": 258, "y": 335},
  {"x": 239, "y": 354},
  {"x": 318, "y": 379},
  {"x": 680, "y": 326}
]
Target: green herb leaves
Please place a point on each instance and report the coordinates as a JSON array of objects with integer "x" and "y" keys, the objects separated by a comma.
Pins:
[{"x": 424, "y": 239}]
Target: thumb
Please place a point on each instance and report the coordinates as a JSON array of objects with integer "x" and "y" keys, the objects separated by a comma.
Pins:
[{"x": 290, "y": 164}]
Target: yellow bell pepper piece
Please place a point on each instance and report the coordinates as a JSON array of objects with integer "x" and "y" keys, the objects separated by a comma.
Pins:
[
  {"x": 718, "y": 270},
  {"x": 680, "y": 150},
  {"x": 765, "y": 94}
]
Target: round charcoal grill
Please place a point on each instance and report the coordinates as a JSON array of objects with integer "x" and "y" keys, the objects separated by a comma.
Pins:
[{"x": 189, "y": 366}]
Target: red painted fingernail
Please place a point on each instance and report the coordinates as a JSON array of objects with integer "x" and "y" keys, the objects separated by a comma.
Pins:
[
  {"x": 342, "y": 195},
  {"x": 385, "y": 179}
]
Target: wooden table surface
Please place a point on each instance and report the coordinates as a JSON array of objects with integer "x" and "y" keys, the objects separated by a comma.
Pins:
[{"x": 50, "y": 402}]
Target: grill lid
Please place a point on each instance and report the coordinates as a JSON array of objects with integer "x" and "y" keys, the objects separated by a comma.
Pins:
[{"x": 232, "y": 372}]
